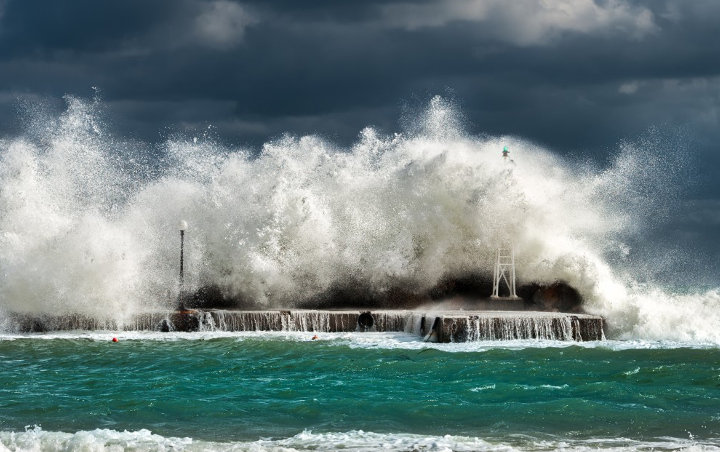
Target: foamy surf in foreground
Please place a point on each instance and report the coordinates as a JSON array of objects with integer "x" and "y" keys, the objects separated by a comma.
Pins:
[
  {"x": 36, "y": 439},
  {"x": 259, "y": 391}
]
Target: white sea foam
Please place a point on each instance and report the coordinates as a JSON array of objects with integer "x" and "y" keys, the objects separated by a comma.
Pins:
[
  {"x": 370, "y": 340},
  {"x": 483, "y": 388},
  {"x": 36, "y": 439},
  {"x": 87, "y": 225}
]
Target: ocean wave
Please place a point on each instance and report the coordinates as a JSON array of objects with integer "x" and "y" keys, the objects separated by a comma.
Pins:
[
  {"x": 365, "y": 340},
  {"x": 88, "y": 221},
  {"x": 35, "y": 438}
]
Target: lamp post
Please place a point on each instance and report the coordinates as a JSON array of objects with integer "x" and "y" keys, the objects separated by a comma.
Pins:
[{"x": 183, "y": 227}]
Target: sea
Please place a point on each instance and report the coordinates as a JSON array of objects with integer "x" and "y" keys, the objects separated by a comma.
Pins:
[
  {"x": 89, "y": 227},
  {"x": 352, "y": 391}
]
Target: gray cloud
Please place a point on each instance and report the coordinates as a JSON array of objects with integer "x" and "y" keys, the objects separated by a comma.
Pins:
[
  {"x": 526, "y": 22},
  {"x": 577, "y": 76},
  {"x": 223, "y": 23}
]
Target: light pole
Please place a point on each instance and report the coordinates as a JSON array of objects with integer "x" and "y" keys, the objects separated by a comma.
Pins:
[{"x": 183, "y": 226}]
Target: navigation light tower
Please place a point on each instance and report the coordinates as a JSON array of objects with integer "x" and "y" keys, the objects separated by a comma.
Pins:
[{"x": 504, "y": 269}]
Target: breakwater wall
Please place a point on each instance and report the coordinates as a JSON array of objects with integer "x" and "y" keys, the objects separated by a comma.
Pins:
[{"x": 435, "y": 326}]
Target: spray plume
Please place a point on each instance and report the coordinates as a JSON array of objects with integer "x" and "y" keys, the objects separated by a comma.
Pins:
[{"x": 88, "y": 222}]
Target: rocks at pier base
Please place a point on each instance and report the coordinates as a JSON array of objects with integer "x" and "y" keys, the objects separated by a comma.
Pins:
[{"x": 434, "y": 326}]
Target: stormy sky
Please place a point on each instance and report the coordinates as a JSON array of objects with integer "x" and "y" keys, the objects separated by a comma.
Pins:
[{"x": 577, "y": 76}]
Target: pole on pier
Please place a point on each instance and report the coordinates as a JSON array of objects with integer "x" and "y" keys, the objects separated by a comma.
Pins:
[{"x": 183, "y": 227}]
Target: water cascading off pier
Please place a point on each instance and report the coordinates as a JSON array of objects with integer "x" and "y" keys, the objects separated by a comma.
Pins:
[{"x": 435, "y": 326}]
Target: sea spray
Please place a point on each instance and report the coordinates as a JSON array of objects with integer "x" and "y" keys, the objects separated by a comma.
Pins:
[{"x": 88, "y": 222}]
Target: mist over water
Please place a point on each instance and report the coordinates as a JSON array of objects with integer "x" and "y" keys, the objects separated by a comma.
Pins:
[{"x": 89, "y": 221}]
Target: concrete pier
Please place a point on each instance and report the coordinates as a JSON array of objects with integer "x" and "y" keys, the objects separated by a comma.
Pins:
[
  {"x": 435, "y": 326},
  {"x": 507, "y": 325}
]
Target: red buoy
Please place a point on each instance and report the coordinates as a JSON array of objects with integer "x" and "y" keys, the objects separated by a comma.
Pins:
[{"x": 114, "y": 339}]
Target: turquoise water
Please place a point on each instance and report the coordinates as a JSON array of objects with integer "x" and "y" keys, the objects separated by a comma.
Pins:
[{"x": 264, "y": 391}]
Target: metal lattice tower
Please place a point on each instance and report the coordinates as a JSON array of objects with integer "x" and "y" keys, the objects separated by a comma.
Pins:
[{"x": 504, "y": 269}]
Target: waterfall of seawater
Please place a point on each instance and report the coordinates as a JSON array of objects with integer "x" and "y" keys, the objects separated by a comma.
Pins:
[
  {"x": 441, "y": 326},
  {"x": 565, "y": 328},
  {"x": 88, "y": 222},
  {"x": 307, "y": 321}
]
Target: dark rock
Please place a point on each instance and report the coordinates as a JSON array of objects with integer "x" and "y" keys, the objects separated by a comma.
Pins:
[
  {"x": 559, "y": 296},
  {"x": 473, "y": 288},
  {"x": 212, "y": 296},
  {"x": 185, "y": 321},
  {"x": 355, "y": 293},
  {"x": 470, "y": 285}
]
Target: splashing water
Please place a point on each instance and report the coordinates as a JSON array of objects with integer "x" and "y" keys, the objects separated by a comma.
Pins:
[{"x": 88, "y": 222}]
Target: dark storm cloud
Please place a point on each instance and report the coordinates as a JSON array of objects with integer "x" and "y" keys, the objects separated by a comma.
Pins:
[
  {"x": 577, "y": 76},
  {"x": 36, "y": 28}
]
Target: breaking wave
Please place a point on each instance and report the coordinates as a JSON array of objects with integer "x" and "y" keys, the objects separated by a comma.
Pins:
[
  {"x": 89, "y": 221},
  {"x": 103, "y": 439}
]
